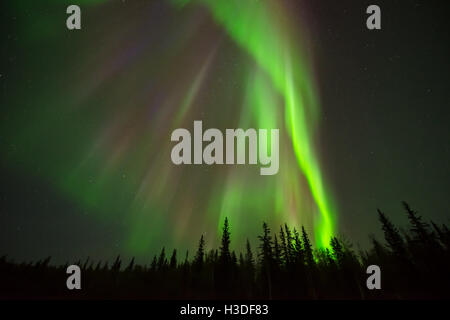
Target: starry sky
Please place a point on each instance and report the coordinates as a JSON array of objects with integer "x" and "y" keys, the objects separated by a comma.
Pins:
[{"x": 86, "y": 118}]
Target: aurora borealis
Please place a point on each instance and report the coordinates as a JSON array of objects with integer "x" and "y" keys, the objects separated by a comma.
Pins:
[{"x": 90, "y": 114}]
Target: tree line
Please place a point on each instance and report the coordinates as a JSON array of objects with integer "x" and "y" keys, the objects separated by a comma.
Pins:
[{"x": 414, "y": 263}]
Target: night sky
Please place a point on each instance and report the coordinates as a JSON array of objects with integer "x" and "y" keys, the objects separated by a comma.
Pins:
[{"x": 86, "y": 118}]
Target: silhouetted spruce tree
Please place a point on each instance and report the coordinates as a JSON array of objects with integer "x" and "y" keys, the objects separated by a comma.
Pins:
[
  {"x": 116, "y": 264},
  {"x": 266, "y": 260},
  {"x": 311, "y": 269},
  {"x": 225, "y": 255},
  {"x": 299, "y": 252},
  {"x": 277, "y": 254},
  {"x": 378, "y": 249},
  {"x": 437, "y": 229},
  {"x": 419, "y": 229},
  {"x": 392, "y": 236},
  {"x": 284, "y": 249},
  {"x": 329, "y": 258},
  {"x": 399, "y": 260},
  {"x": 250, "y": 262},
  {"x": 115, "y": 268},
  {"x": 307, "y": 247},
  {"x": 338, "y": 251},
  {"x": 223, "y": 274},
  {"x": 298, "y": 277},
  {"x": 130, "y": 265},
  {"x": 442, "y": 236},
  {"x": 210, "y": 257},
  {"x": 289, "y": 243},
  {"x": 186, "y": 262},
  {"x": 248, "y": 270},
  {"x": 241, "y": 261},
  {"x": 265, "y": 246},
  {"x": 407, "y": 239},
  {"x": 427, "y": 251},
  {"x": 154, "y": 263},
  {"x": 198, "y": 267},
  {"x": 350, "y": 269},
  {"x": 277, "y": 269},
  {"x": 173, "y": 259},
  {"x": 216, "y": 256},
  {"x": 199, "y": 256},
  {"x": 233, "y": 257},
  {"x": 321, "y": 258},
  {"x": 162, "y": 261}
]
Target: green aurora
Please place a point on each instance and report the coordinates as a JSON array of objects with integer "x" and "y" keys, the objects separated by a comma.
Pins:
[{"x": 99, "y": 129}]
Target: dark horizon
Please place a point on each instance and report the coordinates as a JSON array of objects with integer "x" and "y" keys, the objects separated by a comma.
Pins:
[{"x": 284, "y": 265}]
